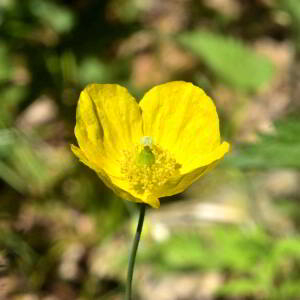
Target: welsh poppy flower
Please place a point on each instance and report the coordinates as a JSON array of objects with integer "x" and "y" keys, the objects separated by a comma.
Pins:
[{"x": 151, "y": 149}]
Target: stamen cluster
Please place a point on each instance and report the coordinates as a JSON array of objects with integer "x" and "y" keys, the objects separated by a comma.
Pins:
[{"x": 148, "y": 178}]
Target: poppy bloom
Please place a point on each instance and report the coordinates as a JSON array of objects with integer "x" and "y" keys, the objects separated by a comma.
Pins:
[{"x": 151, "y": 149}]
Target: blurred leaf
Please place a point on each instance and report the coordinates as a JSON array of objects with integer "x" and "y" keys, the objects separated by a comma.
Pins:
[
  {"x": 251, "y": 260},
  {"x": 11, "y": 177},
  {"x": 24, "y": 167},
  {"x": 7, "y": 138},
  {"x": 292, "y": 7},
  {"x": 7, "y": 173},
  {"x": 188, "y": 252},
  {"x": 289, "y": 247},
  {"x": 289, "y": 289},
  {"x": 6, "y": 4},
  {"x": 240, "y": 252},
  {"x": 125, "y": 10},
  {"x": 11, "y": 97},
  {"x": 239, "y": 288},
  {"x": 68, "y": 66},
  {"x": 232, "y": 61},
  {"x": 92, "y": 70},
  {"x": 14, "y": 243},
  {"x": 222, "y": 249},
  {"x": 5, "y": 65},
  {"x": 58, "y": 17},
  {"x": 280, "y": 150}
]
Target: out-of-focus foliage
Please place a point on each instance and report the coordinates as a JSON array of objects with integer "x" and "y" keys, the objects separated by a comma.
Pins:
[
  {"x": 293, "y": 8},
  {"x": 229, "y": 59},
  {"x": 256, "y": 264},
  {"x": 277, "y": 150},
  {"x": 56, "y": 16},
  {"x": 64, "y": 235}
]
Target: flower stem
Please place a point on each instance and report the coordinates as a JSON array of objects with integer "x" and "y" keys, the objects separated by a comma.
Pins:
[{"x": 134, "y": 251}]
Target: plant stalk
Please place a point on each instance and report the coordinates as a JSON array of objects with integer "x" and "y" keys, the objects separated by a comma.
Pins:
[{"x": 133, "y": 251}]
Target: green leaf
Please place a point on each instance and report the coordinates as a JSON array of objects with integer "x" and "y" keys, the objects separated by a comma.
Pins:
[
  {"x": 240, "y": 287},
  {"x": 280, "y": 150},
  {"x": 58, "y": 17},
  {"x": 292, "y": 7},
  {"x": 230, "y": 60},
  {"x": 288, "y": 247},
  {"x": 93, "y": 70},
  {"x": 5, "y": 63},
  {"x": 289, "y": 289},
  {"x": 11, "y": 97}
]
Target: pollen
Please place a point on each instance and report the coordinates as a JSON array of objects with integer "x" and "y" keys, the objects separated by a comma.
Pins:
[{"x": 148, "y": 177}]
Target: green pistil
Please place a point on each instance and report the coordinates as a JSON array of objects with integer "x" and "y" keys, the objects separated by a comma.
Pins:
[{"x": 146, "y": 157}]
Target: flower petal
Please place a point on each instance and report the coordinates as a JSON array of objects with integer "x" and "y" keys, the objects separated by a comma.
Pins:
[
  {"x": 198, "y": 161},
  {"x": 118, "y": 185},
  {"x": 182, "y": 119},
  {"x": 122, "y": 188},
  {"x": 182, "y": 182},
  {"x": 82, "y": 157},
  {"x": 108, "y": 121}
]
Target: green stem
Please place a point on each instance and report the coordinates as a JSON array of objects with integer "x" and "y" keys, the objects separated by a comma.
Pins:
[{"x": 133, "y": 251}]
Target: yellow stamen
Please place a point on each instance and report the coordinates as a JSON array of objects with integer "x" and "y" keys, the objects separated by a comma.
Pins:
[{"x": 148, "y": 168}]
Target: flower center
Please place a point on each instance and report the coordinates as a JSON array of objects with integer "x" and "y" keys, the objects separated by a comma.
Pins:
[{"x": 148, "y": 166}]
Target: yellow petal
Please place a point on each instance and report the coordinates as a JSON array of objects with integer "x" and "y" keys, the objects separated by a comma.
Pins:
[
  {"x": 116, "y": 185},
  {"x": 112, "y": 182},
  {"x": 91, "y": 149},
  {"x": 152, "y": 200},
  {"x": 182, "y": 119},
  {"x": 122, "y": 188},
  {"x": 82, "y": 157},
  {"x": 108, "y": 121},
  {"x": 181, "y": 182},
  {"x": 119, "y": 186},
  {"x": 202, "y": 160}
]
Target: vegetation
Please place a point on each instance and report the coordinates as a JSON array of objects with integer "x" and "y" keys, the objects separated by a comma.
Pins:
[{"x": 233, "y": 235}]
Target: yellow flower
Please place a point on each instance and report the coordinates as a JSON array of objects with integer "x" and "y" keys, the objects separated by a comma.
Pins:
[{"x": 149, "y": 150}]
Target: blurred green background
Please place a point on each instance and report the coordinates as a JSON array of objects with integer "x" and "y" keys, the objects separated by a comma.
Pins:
[{"x": 232, "y": 235}]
